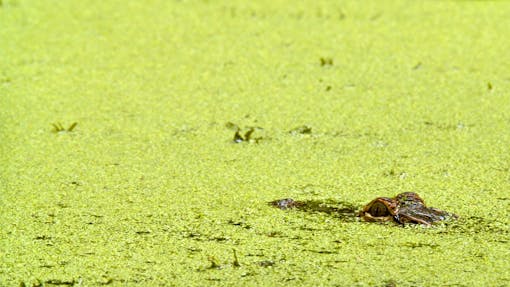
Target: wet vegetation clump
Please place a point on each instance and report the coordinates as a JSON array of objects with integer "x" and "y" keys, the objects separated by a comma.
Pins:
[
  {"x": 301, "y": 130},
  {"x": 244, "y": 135},
  {"x": 326, "y": 61}
]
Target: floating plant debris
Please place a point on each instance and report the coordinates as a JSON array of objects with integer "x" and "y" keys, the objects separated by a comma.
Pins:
[
  {"x": 303, "y": 130},
  {"x": 285, "y": 203},
  {"x": 326, "y": 62},
  {"x": 58, "y": 127},
  {"x": 244, "y": 135}
]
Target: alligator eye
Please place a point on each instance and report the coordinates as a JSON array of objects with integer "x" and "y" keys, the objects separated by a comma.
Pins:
[{"x": 379, "y": 209}]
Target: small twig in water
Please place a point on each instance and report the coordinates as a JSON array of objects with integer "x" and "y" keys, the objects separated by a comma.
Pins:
[{"x": 236, "y": 260}]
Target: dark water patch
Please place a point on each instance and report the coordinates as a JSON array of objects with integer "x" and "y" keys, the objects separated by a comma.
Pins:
[
  {"x": 193, "y": 235},
  {"x": 43, "y": 237},
  {"x": 58, "y": 282},
  {"x": 107, "y": 281},
  {"x": 239, "y": 223},
  {"x": 52, "y": 282},
  {"x": 420, "y": 245},
  {"x": 266, "y": 263},
  {"x": 194, "y": 249},
  {"x": 322, "y": 251},
  {"x": 205, "y": 237},
  {"x": 218, "y": 239},
  {"x": 45, "y": 218},
  {"x": 343, "y": 210},
  {"x": 275, "y": 234},
  {"x": 448, "y": 126},
  {"x": 477, "y": 225}
]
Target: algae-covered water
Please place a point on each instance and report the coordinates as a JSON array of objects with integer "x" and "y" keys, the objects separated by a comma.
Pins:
[{"x": 334, "y": 103}]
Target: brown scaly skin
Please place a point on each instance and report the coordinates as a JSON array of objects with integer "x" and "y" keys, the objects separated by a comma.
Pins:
[{"x": 407, "y": 207}]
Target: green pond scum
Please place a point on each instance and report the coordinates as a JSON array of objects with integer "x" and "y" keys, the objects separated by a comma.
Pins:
[{"x": 141, "y": 142}]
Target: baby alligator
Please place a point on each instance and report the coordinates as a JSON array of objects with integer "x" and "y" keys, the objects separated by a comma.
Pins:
[{"x": 407, "y": 207}]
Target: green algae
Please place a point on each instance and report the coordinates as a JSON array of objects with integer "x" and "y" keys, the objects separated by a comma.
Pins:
[{"x": 149, "y": 188}]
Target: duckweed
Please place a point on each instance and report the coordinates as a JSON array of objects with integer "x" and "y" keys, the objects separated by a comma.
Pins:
[{"x": 152, "y": 192}]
